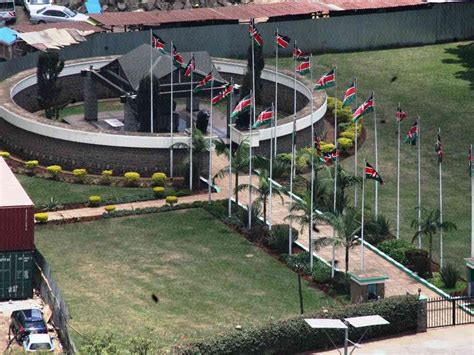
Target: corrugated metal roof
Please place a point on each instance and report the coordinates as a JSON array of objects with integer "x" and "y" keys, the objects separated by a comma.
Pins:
[
  {"x": 368, "y": 4},
  {"x": 8, "y": 36},
  {"x": 11, "y": 192},
  {"x": 79, "y": 25}
]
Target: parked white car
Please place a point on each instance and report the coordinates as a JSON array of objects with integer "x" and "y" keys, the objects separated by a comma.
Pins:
[
  {"x": 55, "y": 13},
  {"x": 38, "y": 342},
  {"x": 7, "y": 11},
  {"x": 32, "y": 6}
]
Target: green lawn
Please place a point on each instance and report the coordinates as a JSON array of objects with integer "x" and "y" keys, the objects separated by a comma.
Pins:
[
  {"x": 103, "y": 106},
  {"x": 208, "y": 278},
  {"x": 42, "y": 190},
  {"x": 436, "y": 82}
]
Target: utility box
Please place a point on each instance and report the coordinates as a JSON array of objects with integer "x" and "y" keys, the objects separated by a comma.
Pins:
[
  {"x": 367, "y": 285},
  {"x": 16, "y": 213},
  {"x": 16, "y": 275}
]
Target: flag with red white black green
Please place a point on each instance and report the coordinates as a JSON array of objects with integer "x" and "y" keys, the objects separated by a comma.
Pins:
[
  {"x": 412, "y": 134},
  {"x": 327, "y": 80},
  {"x": 190, "y": 67},
  {"x": 331, "y": 156},
  {"x": 366, "y": 107},
  {"x": 371, "y": 173},
  {"x": 254, "y": 34},
  {"x": 439, "y": 148},
  {"x": 298, "y": 54},
  {"x": 282, "y": 41},
  {"x": 228, "y": 89},
  {"x": 400, "y": 115},
  {"x": 204, "y": 83},
  {"x": 304, "y": 67},
  {"x": 244, "y": 105},
  {"x": 178, "y": 59},
  {"x": 157, "y": 43},
  {"x": 350, "y": 94},
  {"x": 265, "y": 117}
]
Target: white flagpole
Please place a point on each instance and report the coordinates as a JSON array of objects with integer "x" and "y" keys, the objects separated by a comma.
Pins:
[
  {"x": 276, "y": 89},
  {"x": 441, "y": 258},
  {"x": 290, "y": 231},
  {"x": 270, "y": 220},
  {"x": 191, "y": 124},
  {"x": 171, "y": 114},
  {"x": 209, "y": 188},
  {"x": 333, "y": 259},
  {"x": 151, "y": 82},
  {"x": 419, "y": 180},
  {"x": 252, "y": 114},
  {"x": 355, "y": 147},
  {"x": 312, "y": 167},
  {"x": 376, "y": 158},
  {"x": 231, "y": 98},
  {"x": 398, "y": 174},
  {"x": 363, "y": 221}
]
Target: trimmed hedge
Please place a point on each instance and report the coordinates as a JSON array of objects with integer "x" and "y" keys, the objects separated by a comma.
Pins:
[{"x": 295, "y": 336}]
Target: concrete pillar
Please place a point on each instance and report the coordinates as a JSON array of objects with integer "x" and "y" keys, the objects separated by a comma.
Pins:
[
  {"x": 422, "y": 314},
  {"x": 90, "y": 95},
  {"x": 129, "y": 114}
]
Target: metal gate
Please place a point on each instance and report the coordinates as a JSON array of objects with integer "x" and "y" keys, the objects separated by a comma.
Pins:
[{"x": 442, "y": 312}]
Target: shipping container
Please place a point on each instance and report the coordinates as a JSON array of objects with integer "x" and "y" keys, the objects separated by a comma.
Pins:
[
  {"x": 16, "y": 275},
  {"x": 16, "y": 213}
]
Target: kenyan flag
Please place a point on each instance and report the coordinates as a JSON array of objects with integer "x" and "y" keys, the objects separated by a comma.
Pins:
[
  {"x": 304, "y": 67},
  {"x": 439, "y": 149},
  {"x": 204, "y": 83},
  {"x": 298, "y": 53},
  {"x": 255, "y": 34},
  {"x": 243, "y": 106},
  {"x": 264, "y": 118},
  {"x": 371, "y": 173},
  {"x": 158, "y": 43},
  {"x": 178, "y": 59},
  {"x": 400, "y": 115},
  {"x": 331, "y": 156},
  {"x": 412, "y": 134},
  {"x": 282, "y": 41},
  {"x": 228, "y": 89},
  {"x": 366, "y": 107},
  {"x": 326, "y": 81},
  {"x": 190, "y": 67},
  {"x": 350, "y": 94}
]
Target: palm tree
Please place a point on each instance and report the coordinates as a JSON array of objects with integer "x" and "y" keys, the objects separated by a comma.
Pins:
[
  {"x": 200, "y": 146},
  {"x": 263, "y": 191},
  {"x": 303, "y": 206},
  {"x": 344, "y": 181},
  {"x": 430, "y": 225},
  {"x": 346, "y": 226}
]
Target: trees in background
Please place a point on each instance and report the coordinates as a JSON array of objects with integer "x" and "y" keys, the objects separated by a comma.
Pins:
[{"x": 49, "y": 66}]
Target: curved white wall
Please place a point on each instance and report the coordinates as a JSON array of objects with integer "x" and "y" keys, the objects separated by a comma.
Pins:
[{"x": 150, "y": 140}]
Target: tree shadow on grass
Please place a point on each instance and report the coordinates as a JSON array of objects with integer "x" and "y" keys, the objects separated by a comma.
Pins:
[{"x": 465, "y": 54}]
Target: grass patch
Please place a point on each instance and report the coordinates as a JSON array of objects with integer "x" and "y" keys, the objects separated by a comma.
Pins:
[
  {"x": 208, "y": 278},
  {"x": 42, "y": 190},
  {"x": 436, "y": 82},
  {"x": 436, "y": 280},
  {"x": 103, "y": 106}
]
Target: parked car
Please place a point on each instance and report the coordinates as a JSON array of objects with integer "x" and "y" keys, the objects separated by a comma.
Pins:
[
  {"x": 38, "y": 342},
  {"x": 27, "y": 321},
  {"x": 55, "y": 13},
  {"x": 32, "y": 6},
  {"x": 7, "y": 11}
]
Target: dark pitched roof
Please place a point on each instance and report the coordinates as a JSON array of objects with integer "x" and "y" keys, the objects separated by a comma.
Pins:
[{"x": 135, "y": 65}]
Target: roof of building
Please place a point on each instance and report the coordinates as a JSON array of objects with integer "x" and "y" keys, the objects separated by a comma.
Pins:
[
  {"x": 53, "y": 38},
  {"x": 8, "y": 36},
  {"x": 76, "y": 25},
  {"x": 135, "y": 65},
  {"x": 12, "y": 193}
]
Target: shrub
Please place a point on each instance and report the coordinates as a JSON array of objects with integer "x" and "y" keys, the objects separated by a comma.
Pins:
[
  {"x": 341, "y": 283},
  {"x": 450, "y": 275},
  {"x": 396, "y": 249},
  {"x": 94, "y": 200},
  {"x": 80, "y": 174},
  {"x": 132, "y": 178},
  {"x": 158, "y": 179},
  {"x": 298, "y": 262},
  {"x": 105, "y": 343},
  {"x": 293, "y": 335},
  {"x": 31, "y": 164},
  {"x": 344, "y": 143},
  {"x": 159, "y": 191},
  {"x": 378, "y": 229},
  {"x": 321, "y": 272},
  {"x": 109, "y": 208},
  {"x": 106, "y": 177},
  {"x": 54, "y": 170},
  {"x": 327, "y": 147},
  {"x": 349, "y": 134},
  {"x": 277, "y": 238},
  {"x": 5, "y": 154},
  {"x": 171, "y": 200},
  {"x": 419, "y": 262},
  {"x": 41, "y": 217},
  {"x": 107, "y": 173}
]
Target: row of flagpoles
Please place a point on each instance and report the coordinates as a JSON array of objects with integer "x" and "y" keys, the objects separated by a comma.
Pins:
[{"x": 269, "y": 117}]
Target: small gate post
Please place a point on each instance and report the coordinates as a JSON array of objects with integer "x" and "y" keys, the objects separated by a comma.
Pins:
[
  {"x": 422, "y": 316},
  {"x": 454, "y": 310}
]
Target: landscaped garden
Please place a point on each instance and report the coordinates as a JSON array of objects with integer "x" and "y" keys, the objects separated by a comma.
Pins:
[{"x": 206, "y": 277}]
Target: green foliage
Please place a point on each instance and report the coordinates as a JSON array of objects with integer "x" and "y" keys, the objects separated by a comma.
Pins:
[
  {"x": 132, "y": 178},
  {"x": 277, "y": 238},
  {"x": 377, "y": 229},
  {"x": 54, "y": 170},
  {"x": 158, "y": 179},
  {"x": 159, "y": 191},
  {"x": 5, "y": 154},
  {"x": 294, "y": 336},
  {"x": 94, "y": 200},
  {"x": 298, "y": 262},
  {"x": 48, "y": 69},
  {"x": 80, "y": 174},
  {"x": 41, "y": 217},
  {"x": 100, "y": 344},
  {"x": 457, "y": 289},
  {"x": 418, "y": 261},
  {"x": 396, "y": 249},
  {"x": 171, "y": 200},
  {"x": 327, "y": 147},
  {"x": 321, "y": 272},
  {"x": 344, "y": 114},
  {"x": 347, "y": 134},
  {"x": 344, "y": 143},
  {"x": 31, "y": 164},
  {"x": 450, "y": 275},
  {"x": 143, "y": 344},
  {"x": 110, "y": 208}
]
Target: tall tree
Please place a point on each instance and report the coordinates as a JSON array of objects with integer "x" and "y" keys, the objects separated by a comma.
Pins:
[
  {"x": 345, "y": 180},
  {"x": 302, "y": 207},
  {"x": 49, "y": 66}
]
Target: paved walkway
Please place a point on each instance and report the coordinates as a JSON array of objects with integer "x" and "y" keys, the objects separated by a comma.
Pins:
[{"x": 399, "y": 283}]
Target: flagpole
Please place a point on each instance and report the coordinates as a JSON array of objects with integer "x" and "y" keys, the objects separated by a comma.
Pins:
[
  {"x": 276, "y": 87},
  {"x": 440, "y": 163},
  {"x": 290, "y": 231},
  {"x": 171, "y": 112},
  {"x": 252, "y": 122},
  {"x": 333, "y": 260},
  {"x": 231, "y": 98},
  {"x": 419, "y": 181},
  {"x": 312, "y": 167},
  {"x": 151, "y": 82},
  {"x": 376, "y": 158},
  {"x": 270, "y": 220},
  {"x": 398, "y": 174},
  {"x": 363, "y": 221},
  {"x": 209, "y": 188},
  {"x": 471, "y": 174},
  {"x": 355, "y": 153},
  {"x": 191, "y": 124}
]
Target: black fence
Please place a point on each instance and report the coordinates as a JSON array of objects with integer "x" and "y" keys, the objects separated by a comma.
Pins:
[
  {"x": 51, "y": 294},
  {"x": 442, "y": 312}
]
